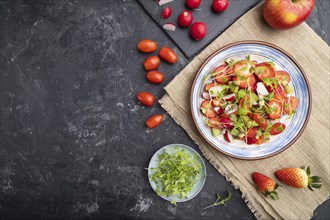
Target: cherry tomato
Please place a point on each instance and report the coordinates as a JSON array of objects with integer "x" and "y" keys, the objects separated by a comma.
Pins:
[
  {"x": 219, "y": 5},
  {"x": 283, "y": 77},
  {"x": 166, "y": 13},
  {"x": 193, "y": 3},
  {"x": 146, "y": 98},
  {"x": 276, "y": 109},
  {"x": 154, "y": 121},
  {"x": 168, "y": 55},
  {"x": 155, "y": 77},
  {"x": 151, "y": 63},
  {"x": 147, "y": 46},
  {"x": 223, "y": 74},
  {"x": 290, "y": 105},
  {"x": 277, "y": 128},
  {"x": 207, "y": 109},
  {"x": 185, "y": 18},
  {"x": 198, "y": 30},
  {"x": 260, "y": 120}
]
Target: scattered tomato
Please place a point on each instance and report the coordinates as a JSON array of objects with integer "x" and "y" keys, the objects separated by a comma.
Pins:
[
  {"x": 151, "y": 63},
  {"x": 193, "y": 3},
  {"x": 185, "y": 19},
  {"x": 198, "y": 30},
  {"x": 155, "y": 77},
  {"x": 219, "y": 5},
  {"x": 277, "y": 128},
  {"x": 166, "y": 13},
  {"x": 275, "y": 109},
  {"x": 168, "y": 55},
  {"x": 146, "y": 98},
  {"x": 147, "y": 46},
  {"x": 154, "y": 121}
]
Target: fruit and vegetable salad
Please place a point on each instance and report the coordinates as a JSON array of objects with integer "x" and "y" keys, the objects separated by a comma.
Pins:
[{"x": 245, "y": 100}]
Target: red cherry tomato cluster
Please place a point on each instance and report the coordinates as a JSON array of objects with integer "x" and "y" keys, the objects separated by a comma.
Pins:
[
  {"x": 198, "y": 29},
  {"x": 154, "y": 76}
]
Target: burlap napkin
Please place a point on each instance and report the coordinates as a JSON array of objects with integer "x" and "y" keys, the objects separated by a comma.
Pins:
[{"x": 312, "y": 148}]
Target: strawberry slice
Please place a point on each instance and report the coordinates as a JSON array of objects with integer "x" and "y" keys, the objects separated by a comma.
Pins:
[
  {"x": 290, "y": 105},
  {"x": 208, "y": 86},
  {"x": 244, "y": 68},
  {"x": 245, "y": 82},
  {"x": 264, "y": 70},
  {"x": 222, "y": 74},
  {"x": 277, "y": 128},
  {"x": 279, "y": 93},
  {"x": 283, "y": 77},
  {"x": 275, "y": 109},
  {"x": 252, "y": 132},
  {"x": 261, "y": 121},
  {"x": 207, "y": 109},
  {"x": 299, "y": 178},
  {"x": 215, "y": 123},
  {"x": 265, "y": 185}
]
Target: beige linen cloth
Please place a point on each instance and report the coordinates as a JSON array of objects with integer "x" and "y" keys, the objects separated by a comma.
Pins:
[{"x": 312, "y": 148}]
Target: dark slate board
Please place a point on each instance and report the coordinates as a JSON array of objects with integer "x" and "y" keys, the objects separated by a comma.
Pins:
[{"x": 216, "y": 22}]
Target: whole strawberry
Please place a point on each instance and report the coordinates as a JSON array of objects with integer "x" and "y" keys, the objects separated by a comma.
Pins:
[
  {"x": 265, "y": 185},
  {"x": 299, "y": 178}
]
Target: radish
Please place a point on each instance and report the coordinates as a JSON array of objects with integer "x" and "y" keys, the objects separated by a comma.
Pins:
[
  {"x": 261, "y": 89},
  {"x": 198, "y": 30},
  {"x": 206, "y": 95},
  {"x": 226, "y": 122},
  {"x": 163, "y": 2},
  {"x": 227, "y": 136},
  {"x": 231, "y": 109},
  {"x": 166, "y": 13},
  {"x": 185, "y": 18},
  {"x": 229, "y": 97},
  {"x": 169, "y": 26},
  {"x": 219, "y": 5},
  {"x": 251, "y": 140},
  {"x": 193, "y": 3},
  {"x": 218, "y": 110}
]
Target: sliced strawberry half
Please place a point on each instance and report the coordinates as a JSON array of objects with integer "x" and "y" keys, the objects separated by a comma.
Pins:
[
  {"x": 245, "y": 82},
  {"x": 244, "y": 68},
  {"x": 275, "y": 109},
  {"x": 290, "y": 105},
  {"x": 264, "y": 70},
  {"x": 208, "y": 86},
  {"x": 283, "y": 77},
  {"x": 207, "y": 109},
  {"x": 277, "y": 128},
  {"x": 215, "y": 123},
  {"x": 222, "y": 74}
]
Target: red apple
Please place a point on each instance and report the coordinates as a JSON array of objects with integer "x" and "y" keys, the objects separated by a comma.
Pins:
[{"x": 285, "y": 14}]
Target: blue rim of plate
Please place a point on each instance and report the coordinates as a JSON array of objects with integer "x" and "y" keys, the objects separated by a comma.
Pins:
[
  {"x": 202, "y": 174},
  {"x": 299, "y": 82}
]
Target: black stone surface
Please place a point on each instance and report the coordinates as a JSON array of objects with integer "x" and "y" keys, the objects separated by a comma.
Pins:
[
  {"x": 216, "y": 22},
  {"x": 73, "y": 144}
]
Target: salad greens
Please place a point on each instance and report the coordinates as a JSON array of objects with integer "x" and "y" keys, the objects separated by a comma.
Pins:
[{"x": 176, "y": 173}]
